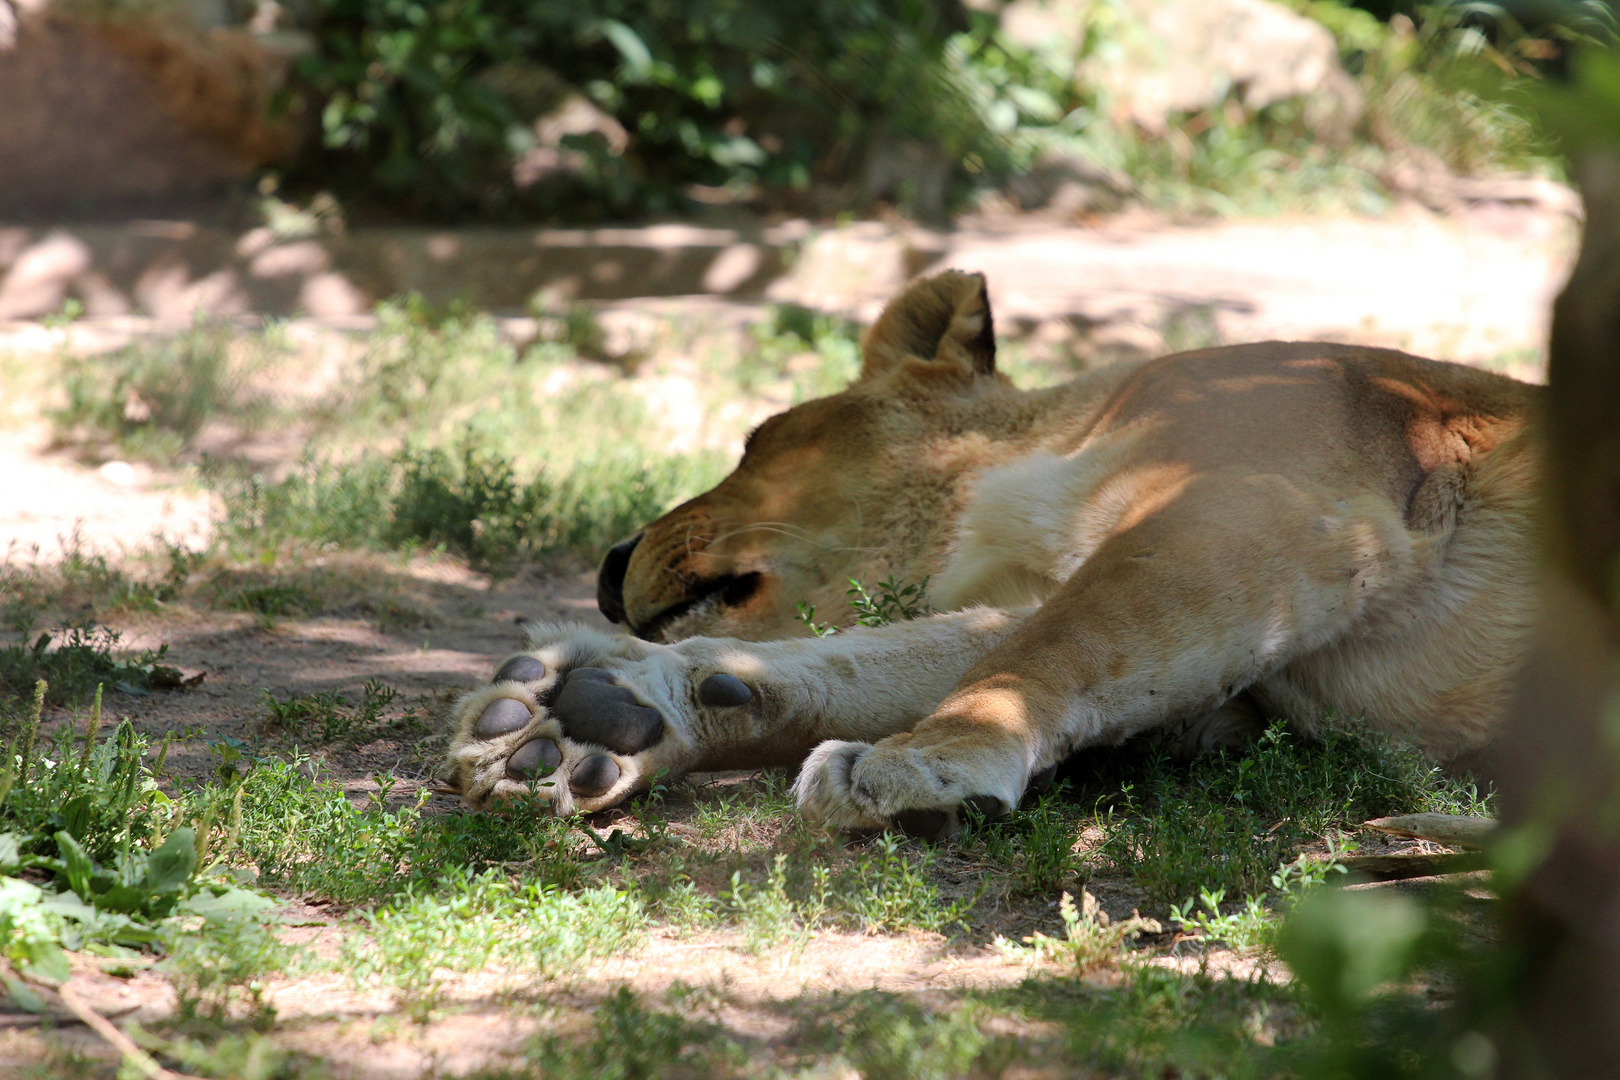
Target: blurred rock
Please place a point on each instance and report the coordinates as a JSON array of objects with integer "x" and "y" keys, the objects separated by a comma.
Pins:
[
  {"x": 565, "y": 139},
  {"x": 1183, "y": 56},
  {"x": 109, "y": 116}
]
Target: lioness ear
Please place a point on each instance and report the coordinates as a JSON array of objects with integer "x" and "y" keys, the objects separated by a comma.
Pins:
[{"x": 944, "y": 319}]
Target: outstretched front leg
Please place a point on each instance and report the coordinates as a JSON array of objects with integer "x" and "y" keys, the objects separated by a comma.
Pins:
[{"x": 585, "y": 719}]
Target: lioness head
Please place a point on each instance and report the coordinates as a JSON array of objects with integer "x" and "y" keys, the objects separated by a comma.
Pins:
[{"x": 860, "y": 484}]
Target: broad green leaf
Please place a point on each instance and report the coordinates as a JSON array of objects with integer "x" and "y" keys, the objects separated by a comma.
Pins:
[
  {"x": 171, "y": 865},
  {"x": 637, "y": 58},
  {"x": 69, "y": 906},
  {"x": 10, "y": 852},
  {"x": 77, "y": 866},
  {"x": 27, "y": 999},
  {"x": 127, "y": 899},
  {"x": 44, "y": 961},
  {"x": 232, "y": 905}
]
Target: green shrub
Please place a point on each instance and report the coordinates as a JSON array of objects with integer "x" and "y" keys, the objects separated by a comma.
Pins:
[
  {"x": 429, "y": 104},
  {"x": 149, "y": 399},
  {"x": 471, "y": 503}
]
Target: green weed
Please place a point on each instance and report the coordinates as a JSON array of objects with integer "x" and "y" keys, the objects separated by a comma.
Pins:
[
  {"x": 768, "y": 916},
  {"x": 149, "y": 400},
  {"x": 92, "y": 857},
  {"x": 889, "y": 889},
  {"x": 325, "y": 716},
  {"x": 890, "y": 601},
  {"x": 83, "y": 659},
  {"x": 1090, "y": 939},
  {"x": 1254, "y": 926}
]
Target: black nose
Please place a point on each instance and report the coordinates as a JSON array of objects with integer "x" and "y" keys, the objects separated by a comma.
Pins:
[{"x": 610, "y": 579}]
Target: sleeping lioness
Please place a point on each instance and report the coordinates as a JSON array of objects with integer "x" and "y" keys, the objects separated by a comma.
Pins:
[{"x": 1190, "y": 545}]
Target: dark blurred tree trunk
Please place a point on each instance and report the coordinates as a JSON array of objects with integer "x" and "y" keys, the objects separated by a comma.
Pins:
[{"x": 1559, "y": 765}]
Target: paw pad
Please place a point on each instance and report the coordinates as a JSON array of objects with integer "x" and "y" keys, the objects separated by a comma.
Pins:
[
  {"x": 521, "y": 669},
  {"x": 722, "y": 691},
  {"x": 535, "y": 758},
  {"x": 504, "y": 716},
  {"x": 593, "y": 708},
  {"x": 595, "y": 775}
]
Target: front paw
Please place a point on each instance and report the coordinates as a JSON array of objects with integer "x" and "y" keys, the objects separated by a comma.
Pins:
[
  {"x": 924, "y": 791},
  {"x": 583, "y": 721}
]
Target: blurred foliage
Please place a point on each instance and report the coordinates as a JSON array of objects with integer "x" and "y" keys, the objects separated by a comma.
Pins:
[
  {"x": 625, "y": 107},
  {"x": 430, "y": 104},
  {"x": 524, "y": 109}
]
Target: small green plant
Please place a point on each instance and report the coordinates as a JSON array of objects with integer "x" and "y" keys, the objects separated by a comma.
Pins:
[
  {"x": 768, "y": 915},
  {"x": 892, "y": 601},
  {"x": 1047, "y": 847},
  {"x": 71, "y": 311},
  {"x": 889, "y": 889},
  {"x": 326, "y": 716},
  {"x": 83, "y": 659},
  {"x": 889, "y": 1036},
  {"x": 807, "y": 616},
  {"x": 1253, "y": 926},
  {"x": 1090, "y": 939}
]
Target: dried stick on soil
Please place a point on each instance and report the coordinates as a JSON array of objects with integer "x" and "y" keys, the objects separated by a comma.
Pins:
[
  {"x": 133, "y": 1055},
  {"x": 1455, "y": 830}
]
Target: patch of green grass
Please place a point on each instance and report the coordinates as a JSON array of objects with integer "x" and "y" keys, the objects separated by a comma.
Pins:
[
  {"x": 1227, "y": 820},
  {"x": 471, "y": 503},
  {"x": 326, "y": 716},
  {"x": 149, "y": 400},
  {"x": 83, "y": 659},
  {"x": 306, "y": 836},
  {"x": 464, "y": 922}
]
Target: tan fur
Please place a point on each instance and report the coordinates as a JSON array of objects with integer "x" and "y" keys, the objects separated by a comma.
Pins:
[{"x": 1307, "y": 531}]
